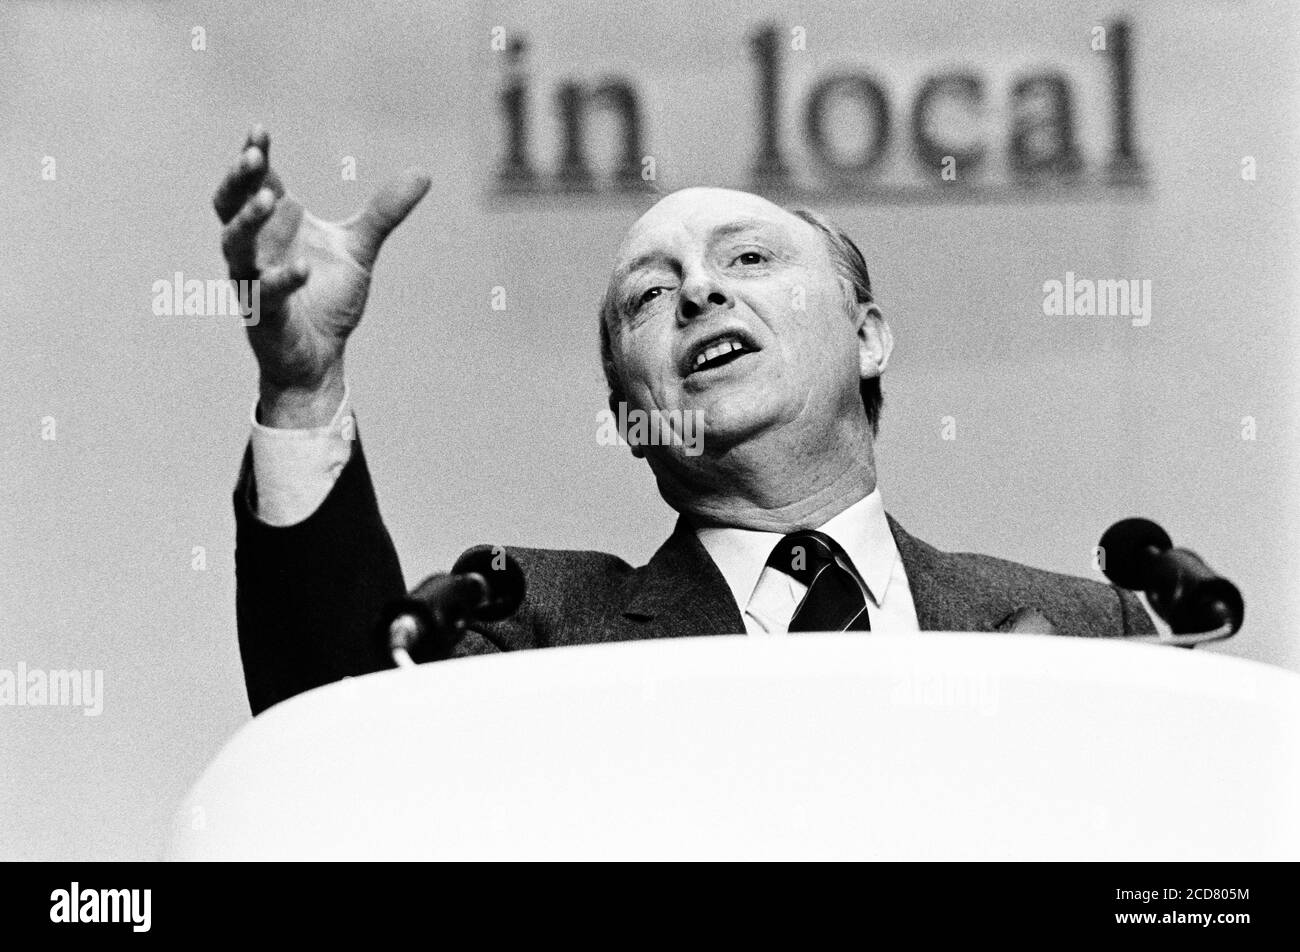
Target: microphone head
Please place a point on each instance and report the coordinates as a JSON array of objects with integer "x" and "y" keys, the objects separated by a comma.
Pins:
[
  {"x": 1126, "y": 556},
  {"x": 504, "y": 577},
  {"x": 1194, "y": 599}
]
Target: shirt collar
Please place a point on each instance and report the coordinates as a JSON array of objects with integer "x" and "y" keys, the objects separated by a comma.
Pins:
[{"x": 861, "y": 530}]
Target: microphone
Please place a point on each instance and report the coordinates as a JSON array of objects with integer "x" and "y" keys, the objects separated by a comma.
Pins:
[
  {"x": 485, "y": 584},
  {"x": 1190, "y": 596}
]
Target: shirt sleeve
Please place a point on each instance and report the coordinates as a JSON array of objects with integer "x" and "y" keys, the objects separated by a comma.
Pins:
[{"x": 294, "y": 470}]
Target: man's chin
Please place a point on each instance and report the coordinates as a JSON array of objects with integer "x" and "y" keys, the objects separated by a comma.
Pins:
[{"x": 730, "y": 420}]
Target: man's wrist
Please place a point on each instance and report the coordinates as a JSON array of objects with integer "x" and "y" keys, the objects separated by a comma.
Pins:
[{"x": 300, "y": 408}]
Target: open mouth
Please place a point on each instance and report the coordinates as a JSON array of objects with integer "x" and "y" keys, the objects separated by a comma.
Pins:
[{"x": 717, "y": 353}]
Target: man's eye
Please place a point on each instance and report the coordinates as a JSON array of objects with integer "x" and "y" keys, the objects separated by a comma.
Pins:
[
  {"x": 750, "y": 257},
  {"x": 646, "y": 296}
]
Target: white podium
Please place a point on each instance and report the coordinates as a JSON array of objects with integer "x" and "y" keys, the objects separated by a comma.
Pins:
[{"x": 913, "y": 747}]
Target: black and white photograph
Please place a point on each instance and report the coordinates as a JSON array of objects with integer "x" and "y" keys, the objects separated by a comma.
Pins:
[{"x": 710, "y": 431}]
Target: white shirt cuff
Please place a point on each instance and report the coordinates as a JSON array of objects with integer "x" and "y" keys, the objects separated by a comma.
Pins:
[{"x": 294, "y": 470}]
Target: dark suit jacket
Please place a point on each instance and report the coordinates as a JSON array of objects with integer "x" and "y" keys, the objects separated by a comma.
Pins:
[{"x": 309, "y": 594}]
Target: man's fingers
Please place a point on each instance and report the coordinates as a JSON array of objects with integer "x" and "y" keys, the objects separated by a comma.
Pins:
[
  {"x": 258, "y": 136},
  {"x": 278, "y": 283},
  {"x": 260, "y": 139},
  {"x": 243, "y": 179},
  {"x": 251, "y": 171},
  {"x": 239, "y": 238},
  {"x": 385, "y": 211}
]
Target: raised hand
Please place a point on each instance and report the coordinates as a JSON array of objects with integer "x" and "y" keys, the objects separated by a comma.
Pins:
[{"x": 314, "y": 278}]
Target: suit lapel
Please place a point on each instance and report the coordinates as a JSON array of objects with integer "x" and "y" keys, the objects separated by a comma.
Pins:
[
  {"x": 680, "y": 592},
  {"x": 948, "y": 595}
]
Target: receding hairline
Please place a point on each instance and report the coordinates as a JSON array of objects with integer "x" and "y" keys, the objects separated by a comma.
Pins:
[{"x": 777, "y": 215}]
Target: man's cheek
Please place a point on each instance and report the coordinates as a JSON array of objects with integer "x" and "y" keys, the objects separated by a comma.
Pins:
[
  {"x": 642, "y": 391},
  {"x": 799, "y": 299},
  {"x": 826, "y": 310}
]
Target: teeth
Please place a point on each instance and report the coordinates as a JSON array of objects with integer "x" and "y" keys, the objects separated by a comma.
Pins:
[{"x": 716, "y": 350}]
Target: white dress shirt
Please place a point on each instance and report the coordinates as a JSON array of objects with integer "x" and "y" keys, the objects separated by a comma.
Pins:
[
  {"x": 296, "y": 469},
  {"x": 768, "y": 597}
]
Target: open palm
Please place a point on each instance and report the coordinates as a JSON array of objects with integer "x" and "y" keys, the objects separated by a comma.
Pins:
[{"x": 314, "y": 275}]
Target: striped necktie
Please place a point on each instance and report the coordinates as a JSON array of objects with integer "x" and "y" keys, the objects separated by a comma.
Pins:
[{"x": 836, "y": 599}]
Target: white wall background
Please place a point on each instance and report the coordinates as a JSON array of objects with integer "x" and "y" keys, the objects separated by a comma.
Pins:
[{"x": 480, "y": 425}]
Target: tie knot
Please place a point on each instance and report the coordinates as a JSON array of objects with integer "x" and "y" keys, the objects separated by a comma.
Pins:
[{"x": 803, "y": 555}]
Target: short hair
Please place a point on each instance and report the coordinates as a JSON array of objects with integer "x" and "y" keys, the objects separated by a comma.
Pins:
[{"x": 848, "y": 261}]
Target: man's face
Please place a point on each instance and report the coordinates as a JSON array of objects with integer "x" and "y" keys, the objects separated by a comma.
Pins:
[{"x": 729, "y": 305}]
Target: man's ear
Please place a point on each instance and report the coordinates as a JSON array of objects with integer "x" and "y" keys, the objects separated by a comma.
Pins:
[{"x": 875, "y": 340}]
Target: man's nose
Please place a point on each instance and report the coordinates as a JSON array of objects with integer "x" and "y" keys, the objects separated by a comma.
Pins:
[{"x": 699, "y": 295}]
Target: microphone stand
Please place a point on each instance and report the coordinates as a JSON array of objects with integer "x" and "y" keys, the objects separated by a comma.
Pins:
[
  {"x": 1188, "y": 640},
  {"x": 425, "y": 620}
]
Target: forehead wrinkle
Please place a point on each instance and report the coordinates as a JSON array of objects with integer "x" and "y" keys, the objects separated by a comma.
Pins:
[
  {"x": 727, "y": 229},
  {"x": 716, "y": 233}
]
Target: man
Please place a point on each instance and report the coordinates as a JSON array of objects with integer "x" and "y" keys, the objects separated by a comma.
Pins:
[{"x": 722, "y": 306}]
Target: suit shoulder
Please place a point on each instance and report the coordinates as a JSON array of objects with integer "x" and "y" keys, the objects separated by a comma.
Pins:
[
  {"x": 1076, "y": 606},
  {"x": 562, "y": 586},
  {"x": 558, "y": 571}
]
